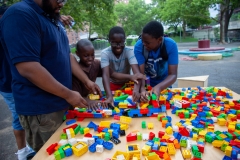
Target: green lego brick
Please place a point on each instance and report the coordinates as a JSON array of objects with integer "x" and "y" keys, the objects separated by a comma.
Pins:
[
  {"x": 186, "y": 115},
  {"x": 107, "y": 136},
  {"x": 151, "y": 154},
  {"x": 208, "y": 138},
  {"x": 229, "y": 135},
  {"x": 139, "y": 136},
  {"x": 123, "y": 97},
  {"x": 63, "y": 136},
  {"x": 155, "y": 139},
  {"x": 82, "y": 130},
  {"x": 159, "y": 116},
  {"x": 237, "y": 135},
  {"x": 194, "y": 149},
  {"x": 223, "y": 147},
  {"x": 219, "y": 138},
  {"x": 197, "y": 155},
  {"x": 182, "y": 94},
  {"x": 77, "y": 129},
  {"x": 61, "y": 153},
  {"x": 217, "y": 132},
  {"x": 195, "y": 130},
  {"x": 154, "y": 96},
  {"x": 57, "y": 155},
  {"x": 82, "y": 110},
  {"x": 150, "y": 106},
  {"x": 194, "y": 105},
  {"x": 64, "y": 118},
  {"x": 144, "y": 124}
]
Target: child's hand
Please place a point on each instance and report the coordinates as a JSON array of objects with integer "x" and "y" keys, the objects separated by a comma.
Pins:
[
  {"x": 93, "y": 88},
  {"x": 137, "y": 77},
  {"x": 135, "y": 96},
  {"x": 144, "y": 96},
  {"x": 107, "y": 101},
  {"x": 156, "y": 90},
  {"x": 93, "y": 105}
]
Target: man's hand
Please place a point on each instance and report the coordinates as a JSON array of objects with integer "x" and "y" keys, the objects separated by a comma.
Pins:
[
  {"x": 136, "y": 96},
  {"x": 76, "y": 100},
  {"x": 66, "y": 20},
  {"x": 137, "y": 77},
  {"x": 93, "y": 88}
]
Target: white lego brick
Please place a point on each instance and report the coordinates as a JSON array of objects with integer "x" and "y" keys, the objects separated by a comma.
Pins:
[
  {"x": 79, "y": 146},
  {"x": 214, "y": 119},
  {"x": 120, "y": 157},
  {"x": 107, "y": 112},
  {"x": 90, "y": 141},
  {"x": 72, "y": 141},
  {"x": 175, "y": 128},
  {"x": 145, "y": 136},
  {"x": 83, "y": 140},
  {"x": 177, "y": 104},
  {"x": 189, "y": 127},
  {"x": 62, "y": 142},
  {"x": 99, "y": 148}
]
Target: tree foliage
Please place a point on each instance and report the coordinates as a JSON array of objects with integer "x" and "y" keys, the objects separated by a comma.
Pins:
[{"x": 133, "y": 16}]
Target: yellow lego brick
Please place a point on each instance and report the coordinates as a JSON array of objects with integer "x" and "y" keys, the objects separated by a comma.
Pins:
[
  {"x": 124, "y": 119},
  {"x": 117, "y": 109},
  {"x": 195, "y": 137},
  {"x": 169, "y": 130},
  {"x": 217, "y": 143},
  {"x": 110, "y": 132},
  {"x": 166, "y": 137},
  {"x": 228, "y": 151},
  {"x": 144, "y": 105},
  {"x": 153, "y": 157},
  {"x": 163, "y": 149},
  {"x": 178, "y": 124},
  {"x": 145, "y": 150},
  {"x": 171, "y": 149},
  {"x": 177, "y": 97},
  {"x": 86, "y": 130},
  {"x": 186, "y": 154},
  {"x": 231, "y": 127},
  {"x": 150, "y": 125},
  {"x": 135, "y": 152},
  {"x": 100, "y": 135},
  {"x": 210, "y": 129},
  {"x": 105, "y": 124},
  {"x": 117, "y": 93},
  {"x": 123, "y": 105},
  {"x": 123, "y": 126},
  {"x": 231, "y": 104},
  {"x": 117, "y": 154},
  {"x": 93, "y": 97},
  {"x": 221, "y": 121},
  {"x": 230, "y": 116},
  {"x": 79, "y": 149},
  {"x": 223, "y": 136}
]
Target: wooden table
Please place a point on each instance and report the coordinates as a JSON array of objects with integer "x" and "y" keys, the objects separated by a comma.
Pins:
[{"x": 210, "y": 153}]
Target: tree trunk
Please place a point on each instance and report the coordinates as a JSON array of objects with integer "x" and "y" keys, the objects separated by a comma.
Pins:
[
  {"x": 222, "y": 23},
  {"x": 227, "y": 16},
  {"x": 89, "y": 32},
  {"x": 184, "y": 29}
]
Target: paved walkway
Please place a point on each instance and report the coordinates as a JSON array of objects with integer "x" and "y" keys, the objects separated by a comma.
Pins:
[{"x": 224, "y": 72}]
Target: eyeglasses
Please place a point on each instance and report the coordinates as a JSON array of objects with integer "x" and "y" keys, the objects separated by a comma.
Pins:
[
  {"x": 122, "y": 44},
  {"x": 61, "y": 1}
]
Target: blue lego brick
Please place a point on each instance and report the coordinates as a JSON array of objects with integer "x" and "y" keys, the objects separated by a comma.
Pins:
[
  {"x": 92, "y": 148},
  {"x": 68, "y": 152},
  {"x": 105, "y": 130},
  {"x": 206, "y": 108},
  {"x": 163, "y": 144},
  {"x": 168, "y": 124},
  {"x": 71, "y": 121},
  {"x": 131, "y": 101},
  {"x": 115, "y": 126},
  {"x": 97, "y": 115},
  {"x": 182, "y": 121},
  {"x": 226, "y": 158},
  {"x": 202, "y": 114},
  {"x": 130, "y": 148},
  {"x": 133, "y": 112},
  {"x": 174, "y": 110},
  {"x": 163, "y": 108},
  {"x": 99, "y": 141},
  {"x": 91, "y": 125},
  {"x": 191, "y": 134},
  {"x": 234, "y": 154},
  {"x": 149, "y": 143},
  {"x": 155, "y": 147},
  {"x": 169, "y": 118},
  {"x": 115, "y": 134},
  {"x": 108, "y": 145}
]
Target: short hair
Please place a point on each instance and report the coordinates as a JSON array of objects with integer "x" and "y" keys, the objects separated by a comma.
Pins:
[
  {"x": 154, "y": 28},
  {"x": 82, "y": 43},
  {"x": 3, "y": 8},
  {"x": 116, "y": 30}
]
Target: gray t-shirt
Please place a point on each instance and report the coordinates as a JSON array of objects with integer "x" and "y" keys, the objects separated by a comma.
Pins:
[{"x": 121, "y": 64}]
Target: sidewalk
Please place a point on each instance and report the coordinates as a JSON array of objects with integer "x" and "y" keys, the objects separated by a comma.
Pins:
[{"x": 225, "y": 72}]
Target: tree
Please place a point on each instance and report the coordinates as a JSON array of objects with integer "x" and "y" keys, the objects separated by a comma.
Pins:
[
  {"x": 133, "y": 16},
  {"x": 175, "y": 12}
]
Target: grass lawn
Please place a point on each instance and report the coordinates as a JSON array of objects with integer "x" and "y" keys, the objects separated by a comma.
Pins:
[{"x": 186, "y": 39}]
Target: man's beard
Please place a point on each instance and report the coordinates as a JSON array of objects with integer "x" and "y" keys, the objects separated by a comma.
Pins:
[{"x": 47, "y": 7}]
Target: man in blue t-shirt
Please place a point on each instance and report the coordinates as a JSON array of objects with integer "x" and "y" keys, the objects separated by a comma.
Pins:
[
  {"x": 37, "y": 50},
  {"x": 157, "y": 57}
]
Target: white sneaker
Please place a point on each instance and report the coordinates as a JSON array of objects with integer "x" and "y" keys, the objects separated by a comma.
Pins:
[{"x": 25, "y": 153}]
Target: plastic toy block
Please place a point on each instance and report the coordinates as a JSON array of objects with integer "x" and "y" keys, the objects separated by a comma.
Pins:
[
  {"x": 224, "y": 145},
  {"x": 72, "y": 141},
  {"x": 107, "y": 136},
  {"x": 171, "y": 149},
  {"x": 115, "y": 134},
  {"x": 120, "y": 155},
  {"x": 145, "y": 150},
  {"x": 57, "y": 155},
  {"x": 51, "y": 149},
  {"x": 123, "y": 105},
  {"x": 133, "y": 150},
  {"x": 144, "y": 124},
  {"x": 139, "y": 136},
  {"x": 117, "y": 93},
  {"x": 228, "y": 151},
  {"x": 122, "y": 133},
  {"x": 72, "y": 126},
  {"x": 93, "y": 97},
  {"x": 68, "y": 152},
  {"x": 86, "y": 130},
  {"x": 195, "y": 137},
  {"x": 92, "y": 148},
  {"x": 131, "y": 137},
  {"x": 105, "y": 124},
  {"x": 186, "y": 154},
  {"x": 221, "y": 121},
  {"x": 217, "y": 143},
  {"x": 145, "y": 136},
  {"x": 115, "y": 140},
  {"x": 169, "y": 130},
  {"x": 71, "y": 122},
  {"x": 166, "y": 156},
  {"x": 124, "y": 127},
  {"x": 91, "y": 125},
  {"x": 197, "y": 155},
  {"x": 152, "y": 157},
  {"x": 63, "y": 136},
  {"x": 62, "y": 142},
  {"x": 151, "y": 135},
  {"x": 160, "y": 134},
  {"x": 124, "y": 119},
  {"x": 123, "y": 97},
  {"x": 107, "y": 145},
  {"x": 88, "y": 135},
  {"x": 150, "y": 125},
  {"x": 79, "y": 149},
  {"x": 183, "y": 142},
  {"x": 99, "y": 148}
]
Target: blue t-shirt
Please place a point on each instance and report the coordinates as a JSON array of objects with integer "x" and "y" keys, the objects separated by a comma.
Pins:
[
  {"x": 155, "y": 67},
  {"x": 28, "y": 35},
  {"x": 5, "y": 73}
]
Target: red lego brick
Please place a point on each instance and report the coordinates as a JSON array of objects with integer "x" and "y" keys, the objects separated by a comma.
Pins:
[
  {"x": 131, "y": 137},
  {"x": 160, "y": 134},
  {"x": 51, "y": 148},
  {"x": 200, "y": 148},
  {"x": 72, "y": 126},
  {"x": 159, "y": 153},
  {"x": 151, "y": 135},
  {"x": 88, "y": 135},
  {"x": 116, "y": 117},
  {"x": 184, "y": 132},
  {"x": 144, "y": 111},
  {"x": 100, "y": 129},
  {"x": 155, "y": 104}
]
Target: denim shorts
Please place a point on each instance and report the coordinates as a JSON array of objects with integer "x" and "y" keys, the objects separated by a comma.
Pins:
[{"x": 8, "y": 98}]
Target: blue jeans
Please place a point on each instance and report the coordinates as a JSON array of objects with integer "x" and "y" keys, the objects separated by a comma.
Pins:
[{"x": 8, "y": 98}]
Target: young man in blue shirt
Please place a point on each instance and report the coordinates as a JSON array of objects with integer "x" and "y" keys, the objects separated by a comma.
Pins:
[
  {"x": 161, "y": 61},
  {"x": 37, "y": 50}
]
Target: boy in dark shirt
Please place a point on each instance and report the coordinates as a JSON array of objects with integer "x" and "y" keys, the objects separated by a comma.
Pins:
[{"x": 90, "y": 66}]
